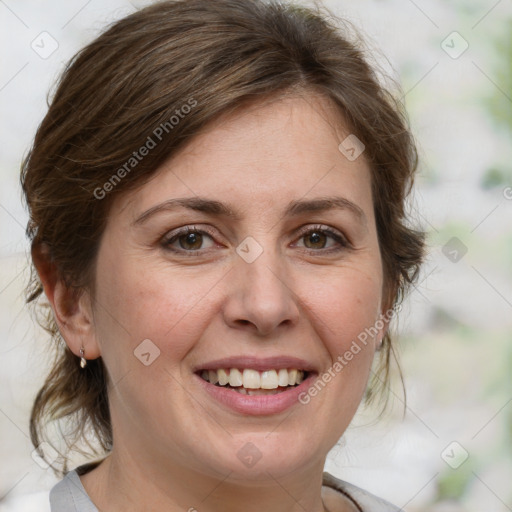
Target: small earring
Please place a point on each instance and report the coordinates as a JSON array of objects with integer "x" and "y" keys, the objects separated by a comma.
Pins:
[{"x": 83, "y": 361}]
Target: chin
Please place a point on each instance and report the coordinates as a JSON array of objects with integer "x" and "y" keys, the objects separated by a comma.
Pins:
[{"x": 267, "y": 456}]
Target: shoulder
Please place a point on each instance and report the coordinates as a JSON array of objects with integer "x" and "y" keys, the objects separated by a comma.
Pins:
[
  {"x": 33, "y": 502},
  {"x": 367, "y": 502}
]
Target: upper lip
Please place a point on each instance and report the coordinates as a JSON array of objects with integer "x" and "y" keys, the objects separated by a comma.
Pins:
[{"x": 257, "y": 363}]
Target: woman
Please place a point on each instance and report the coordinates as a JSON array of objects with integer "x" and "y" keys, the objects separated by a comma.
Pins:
[{"x": 216, "y": 200}]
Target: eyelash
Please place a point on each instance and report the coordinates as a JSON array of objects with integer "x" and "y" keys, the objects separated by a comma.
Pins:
[{"x": 339, "y": 238}]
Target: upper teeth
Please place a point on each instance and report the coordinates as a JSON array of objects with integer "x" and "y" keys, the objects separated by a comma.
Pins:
[{"x": 253, "y": 379}]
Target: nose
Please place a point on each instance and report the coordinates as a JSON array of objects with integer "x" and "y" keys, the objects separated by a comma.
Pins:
[{"x": 261, "y": 296}]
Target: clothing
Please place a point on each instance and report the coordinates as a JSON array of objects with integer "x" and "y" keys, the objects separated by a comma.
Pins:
[
  {"x": 69, "y": 495},
  {"x": 365, "y": 501}
]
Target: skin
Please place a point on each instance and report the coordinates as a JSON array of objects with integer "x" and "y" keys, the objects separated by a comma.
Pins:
[{"x": 175, "y": 448}]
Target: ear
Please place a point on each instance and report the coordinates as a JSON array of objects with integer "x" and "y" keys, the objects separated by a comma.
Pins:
[
  {"x": 72, "y": 310},
  {"x": 382, "y": 324},
  {"x": 387, "y": 311}
]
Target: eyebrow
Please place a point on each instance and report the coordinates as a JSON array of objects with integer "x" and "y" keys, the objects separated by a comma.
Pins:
[{"x": 218, "y": 209}]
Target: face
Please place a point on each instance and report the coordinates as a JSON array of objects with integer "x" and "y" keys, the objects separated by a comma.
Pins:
[{"x": 249, "y": 271}]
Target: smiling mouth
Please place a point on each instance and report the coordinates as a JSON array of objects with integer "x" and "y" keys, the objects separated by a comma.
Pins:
[{"x": 253, "y": 382}]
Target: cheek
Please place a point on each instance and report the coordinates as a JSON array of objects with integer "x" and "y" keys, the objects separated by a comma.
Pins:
[
  {"x": 137, "y": 303},
  {"x": 344, "y": 304},
  {"x": 343, "y": 313}
]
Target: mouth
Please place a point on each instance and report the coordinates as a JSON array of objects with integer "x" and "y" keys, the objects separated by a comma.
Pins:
[
  {"x": 250, "y": 385},
  {"x": 251, "y": 382}
]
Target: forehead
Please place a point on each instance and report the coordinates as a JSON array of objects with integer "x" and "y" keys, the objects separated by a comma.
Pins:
[{"x": 266, "y": 154}]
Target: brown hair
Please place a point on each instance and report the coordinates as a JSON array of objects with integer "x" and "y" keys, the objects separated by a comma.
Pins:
[{"x": 135, "y": 79}]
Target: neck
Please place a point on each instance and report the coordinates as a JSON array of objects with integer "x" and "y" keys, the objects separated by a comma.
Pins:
[{"x": 145, "y": 486}]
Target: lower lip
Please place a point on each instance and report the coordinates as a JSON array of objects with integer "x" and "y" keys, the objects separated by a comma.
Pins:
[{"x": 256, "y": 405}]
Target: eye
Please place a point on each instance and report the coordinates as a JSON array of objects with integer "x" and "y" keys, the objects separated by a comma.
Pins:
[
  {"x": 188, "y": 240},
  {"x": 316, "y": 237}
]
